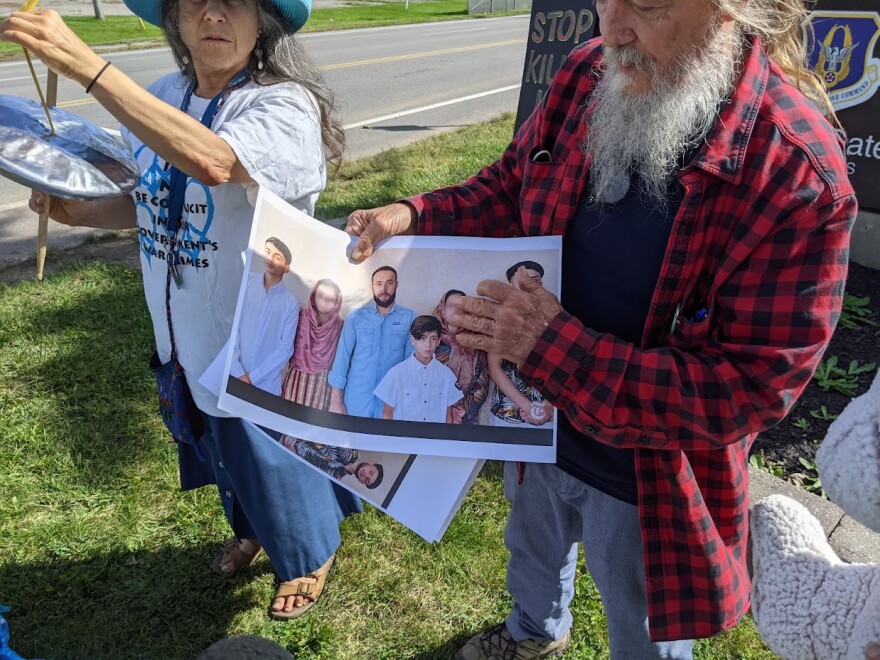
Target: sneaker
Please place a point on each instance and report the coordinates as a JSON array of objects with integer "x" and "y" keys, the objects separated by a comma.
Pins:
[{"x": 497, "y": 644}]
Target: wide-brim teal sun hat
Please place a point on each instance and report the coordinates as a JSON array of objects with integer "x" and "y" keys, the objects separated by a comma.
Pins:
[{"x": 295, "y": 13}]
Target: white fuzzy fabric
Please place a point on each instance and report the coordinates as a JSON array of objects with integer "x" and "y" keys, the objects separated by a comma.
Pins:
[
  {"x": 806, "y": 602},
  {"x": 849, "y": 458}
]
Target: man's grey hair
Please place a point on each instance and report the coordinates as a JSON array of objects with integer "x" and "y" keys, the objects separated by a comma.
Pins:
[{"x": 778, "y": 24}]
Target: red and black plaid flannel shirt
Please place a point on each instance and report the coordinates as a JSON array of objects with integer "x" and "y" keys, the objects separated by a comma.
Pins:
[{"x": 761, "y": 240}]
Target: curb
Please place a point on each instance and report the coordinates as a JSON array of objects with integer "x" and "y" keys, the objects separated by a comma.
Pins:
[{"x": 852, "y": 541}]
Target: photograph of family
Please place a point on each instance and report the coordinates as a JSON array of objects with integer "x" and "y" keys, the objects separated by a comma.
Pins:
[{"x": 364, "y": 356}]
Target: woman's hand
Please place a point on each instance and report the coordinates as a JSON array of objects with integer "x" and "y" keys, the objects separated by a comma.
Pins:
[
  {"x": 65, "y": 211},
  {"x": 46, "y": 35},
  {"x": 541, "y": 413},
  {"x": 458, "y": 414},
  {"x": 526, "y": 416},
  {"x": 115, "y": 213}
]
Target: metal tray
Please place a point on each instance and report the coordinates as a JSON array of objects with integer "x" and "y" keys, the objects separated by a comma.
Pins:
[{"x": 81, "y": 161}]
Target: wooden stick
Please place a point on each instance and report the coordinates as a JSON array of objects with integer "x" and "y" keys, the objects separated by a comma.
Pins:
[
  {"x": 42, "y": 243},
  {"x": 43, "y": 225},
  {"x": 27, "y": 56}
]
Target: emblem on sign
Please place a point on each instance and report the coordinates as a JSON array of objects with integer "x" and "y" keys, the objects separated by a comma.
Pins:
[{"x": 841, "y": 46}]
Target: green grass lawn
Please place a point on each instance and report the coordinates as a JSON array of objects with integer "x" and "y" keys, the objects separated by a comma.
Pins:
[
  {"x": 102, "y": 557},
  {"x": 127, "y": 29},
  {"x": 112, "y": 30}
]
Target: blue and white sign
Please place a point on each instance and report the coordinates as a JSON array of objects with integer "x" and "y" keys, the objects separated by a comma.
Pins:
[{"x": 841, "y": 46}]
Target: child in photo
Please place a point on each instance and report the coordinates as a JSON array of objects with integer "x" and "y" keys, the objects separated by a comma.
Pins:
[
  {"x": 420, "y": 389},
  {"x": 514, "y": 401}
]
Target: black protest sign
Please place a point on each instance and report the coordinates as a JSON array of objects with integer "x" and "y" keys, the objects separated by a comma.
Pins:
[
  {"x": 842, "y": 39},
  {"x": 556, "y": 27}
]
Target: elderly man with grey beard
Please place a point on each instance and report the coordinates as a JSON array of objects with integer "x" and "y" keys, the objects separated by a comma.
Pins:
[{"x": 703, "y": 198}]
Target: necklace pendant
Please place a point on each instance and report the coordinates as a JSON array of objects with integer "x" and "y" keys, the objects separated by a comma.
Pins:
[{"x": 176, "y": 275}]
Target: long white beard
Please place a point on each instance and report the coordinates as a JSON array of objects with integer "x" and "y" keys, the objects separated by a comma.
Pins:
[{"x": 648, "y": 133}]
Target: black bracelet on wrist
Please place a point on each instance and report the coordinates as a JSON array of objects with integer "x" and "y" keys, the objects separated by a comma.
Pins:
[{"x": 95, "y": 79}]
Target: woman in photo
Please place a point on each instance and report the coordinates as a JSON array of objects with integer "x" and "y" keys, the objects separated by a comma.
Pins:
[
  {"x": 468, "y": 364},
  {"x": 244, "y": 109},
  {"x": 317, "y": 335}
]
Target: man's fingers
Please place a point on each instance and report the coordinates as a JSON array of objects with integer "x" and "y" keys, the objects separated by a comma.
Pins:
[
  {"x": 364, "y": 247},
  {"x": 482, "y": 324},
  {"x": 471, "y": 305},
  {"x": 373, "y": 225},
  {"x": 495, "y": 289},
  {"x": 357, "y": 222},
  {"x": 480, "y": 342},
  {"x": 362, "y": 223},
  {"x": 529, "y": 285}
]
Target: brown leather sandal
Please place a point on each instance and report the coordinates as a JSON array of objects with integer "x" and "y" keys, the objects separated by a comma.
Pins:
[
  {"x": 309, "y": 587},
  {"x": 240, "y": 559}
]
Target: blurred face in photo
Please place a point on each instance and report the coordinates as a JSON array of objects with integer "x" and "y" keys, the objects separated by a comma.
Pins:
[
  {"x": 448, "y": 308},
  {"x": 384, "y": 287},
  {"x": 325, "y": 299}
]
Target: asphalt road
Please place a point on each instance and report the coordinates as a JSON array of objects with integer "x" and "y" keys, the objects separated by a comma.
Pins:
[{"x": 393, "y": 85}]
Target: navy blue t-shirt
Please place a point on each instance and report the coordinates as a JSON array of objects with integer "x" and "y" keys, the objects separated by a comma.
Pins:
[{"x": 611, "y": 260}]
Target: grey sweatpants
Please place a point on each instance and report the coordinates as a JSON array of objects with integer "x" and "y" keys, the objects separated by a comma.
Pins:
[{"x": 551, "y": 513}]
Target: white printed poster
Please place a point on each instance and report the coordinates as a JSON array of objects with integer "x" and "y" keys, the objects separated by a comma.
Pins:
[
  {"x": 421, "y": 492},
  {"x": 356, "y": 369}
]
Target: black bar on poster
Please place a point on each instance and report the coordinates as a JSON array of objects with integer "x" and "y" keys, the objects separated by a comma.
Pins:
[{"x": 537, "y": 437}]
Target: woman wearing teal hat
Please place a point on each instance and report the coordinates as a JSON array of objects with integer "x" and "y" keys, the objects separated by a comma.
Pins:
[{"x": 245, "y": 109}]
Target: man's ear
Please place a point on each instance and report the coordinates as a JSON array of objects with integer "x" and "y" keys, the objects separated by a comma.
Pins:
[{"x": 736, "y": 5}]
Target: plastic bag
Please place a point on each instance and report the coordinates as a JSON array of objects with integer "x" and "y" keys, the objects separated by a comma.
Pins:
[{"x": 6, "y": 653}]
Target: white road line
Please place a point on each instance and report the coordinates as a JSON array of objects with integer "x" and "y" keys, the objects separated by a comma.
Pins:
[
  {"x": 430, "y": 34},
  {"x": 433, "y": 106},
  {"x": 39, "y": 75},
  {"x": 120, "y": 54},
  {"x": 41, "y": 68}
]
